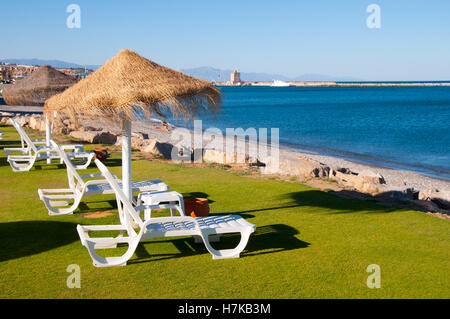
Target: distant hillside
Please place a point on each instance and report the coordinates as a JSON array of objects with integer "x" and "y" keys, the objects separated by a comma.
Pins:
[
  {"x": 205, "y": 72},
  {"x": 53, "y": 63},
  {"x": 218, "y": 75}
]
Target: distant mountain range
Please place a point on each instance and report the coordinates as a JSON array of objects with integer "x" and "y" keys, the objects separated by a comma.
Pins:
[
  {"x": 53, "y": 63},
  {"x": 205, "y": 72},
  {"x": 218, "y": 75}
]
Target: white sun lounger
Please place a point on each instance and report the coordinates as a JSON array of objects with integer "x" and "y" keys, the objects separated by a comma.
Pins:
[
  {"x": 36, "y": 150},
  {"x": 57, "y": 200},
  {"x": 201, "y": 227}
]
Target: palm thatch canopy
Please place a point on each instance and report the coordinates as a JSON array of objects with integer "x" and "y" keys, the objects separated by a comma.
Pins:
[
  {"x": 132, "y": 87},
  {"x": 40, "y": 85}
]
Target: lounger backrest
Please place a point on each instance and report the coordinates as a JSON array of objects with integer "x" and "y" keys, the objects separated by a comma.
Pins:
[
  {"x": 127, "y": 206},
  {"x": 75, "y": 179},
  {"x": 23, "y": 135}
]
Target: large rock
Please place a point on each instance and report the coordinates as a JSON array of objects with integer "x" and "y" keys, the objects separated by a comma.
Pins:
[
  {"x": 61, "y": 130},
  {"x": 22, "y": 120},
  {"x": 439, "y": 197},
  {"x": 41, "y": 127},
  {"x": 35, "y": 122},
  {"x": 5, "y": 120},
  {"x": 214, "y": 156},
  {"x": 403, "y": 193},
  {"x": 137, "y": 142},
  {"x": 159, "y": 149},
  {"x": 427, "y": 205},
  {"x": 366, "y": 181},
  {"x": 371, "y": 188},
  {"x": 95, "y": 137},
  {"x": 349, "y": 180},
  {"x": 369, "y": 176},
  {"x": 301, "y": 167}
]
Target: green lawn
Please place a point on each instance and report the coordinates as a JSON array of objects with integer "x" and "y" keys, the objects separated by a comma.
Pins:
[{"x": 308, "y": 243}]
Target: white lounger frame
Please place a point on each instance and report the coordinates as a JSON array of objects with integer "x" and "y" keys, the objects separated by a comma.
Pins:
[
  {"x": 36, "y": 150},
  {"x": 57, "y": 200},
  {"x": 201, "y": 228}
]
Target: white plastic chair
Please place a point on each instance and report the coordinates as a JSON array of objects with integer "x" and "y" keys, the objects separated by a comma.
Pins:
[
  {"x": 201, "y": 227},
  {"x": 57, "y": 200},
  {"x": 36, "y": 150}
]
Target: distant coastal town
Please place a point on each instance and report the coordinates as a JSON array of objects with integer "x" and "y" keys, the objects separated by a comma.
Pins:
[
  {"x": 10, "y": 73},
  {"x": 235, "y": 80}
]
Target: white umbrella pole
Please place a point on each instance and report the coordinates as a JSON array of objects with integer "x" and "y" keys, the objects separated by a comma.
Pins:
[
  {"x": 126, "y": 158},
  {"x": 48, "y": 137}
]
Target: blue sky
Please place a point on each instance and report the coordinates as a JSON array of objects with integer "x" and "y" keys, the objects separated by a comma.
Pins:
[{"x": 285, "y": 37}]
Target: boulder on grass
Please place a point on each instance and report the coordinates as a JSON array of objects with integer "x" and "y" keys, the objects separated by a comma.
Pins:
[
  {"x": 159, "y": 149},
  {"x": 95, "y": 137}
]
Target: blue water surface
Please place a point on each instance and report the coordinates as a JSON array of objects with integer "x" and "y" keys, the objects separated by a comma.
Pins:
[{"x": 397, "y": 127}]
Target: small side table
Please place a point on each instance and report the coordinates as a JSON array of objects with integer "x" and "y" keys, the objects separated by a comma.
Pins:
[{"x": 160, "y": 200}]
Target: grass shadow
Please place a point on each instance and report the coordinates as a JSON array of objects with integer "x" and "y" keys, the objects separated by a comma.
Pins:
[
  {"x": 9, "y": 143},
  {"x": 339, "y": 204},
  {"x": 83, "y": 207},
  {"x": 27, "y": 238},
  {"x": 274, "y": 238},
  {"x": 113, "y": 162}
]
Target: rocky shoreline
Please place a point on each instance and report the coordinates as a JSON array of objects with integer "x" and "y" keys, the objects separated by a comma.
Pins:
[{"x": 428, "y": 194}]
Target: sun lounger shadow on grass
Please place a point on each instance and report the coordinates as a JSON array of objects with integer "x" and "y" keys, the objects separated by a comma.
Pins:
[
  {"x": 265, "y": 240},
  {"x": 27, "y": 238},
  {"x": 4, "y": 143},
  {"x": 88, "y": 207},
  {"x": 113, "y": 162},
  {"x": 343, "y": 204}
]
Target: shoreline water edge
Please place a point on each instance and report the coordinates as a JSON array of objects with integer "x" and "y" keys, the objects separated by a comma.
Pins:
[{"x": 317, "y": 170}]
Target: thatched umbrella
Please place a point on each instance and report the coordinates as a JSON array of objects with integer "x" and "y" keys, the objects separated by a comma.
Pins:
[
  {"x": 40, "y": 85},
  {"x": 131, "y": 87}
]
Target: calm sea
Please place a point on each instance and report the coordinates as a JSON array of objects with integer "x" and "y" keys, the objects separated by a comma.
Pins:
[{"x": 397, "y": 127}]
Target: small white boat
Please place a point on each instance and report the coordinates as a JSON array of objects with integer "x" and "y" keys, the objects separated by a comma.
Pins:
[{"x": 279, "y": 83}]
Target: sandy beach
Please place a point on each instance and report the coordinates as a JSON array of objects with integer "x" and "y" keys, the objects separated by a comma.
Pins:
[{"x": 392, "y": 177}]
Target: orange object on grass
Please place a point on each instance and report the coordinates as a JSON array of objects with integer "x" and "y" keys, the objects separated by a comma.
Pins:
[
  {"x": 196, "y": 207},
  {"x": 101, "y": 154}
]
